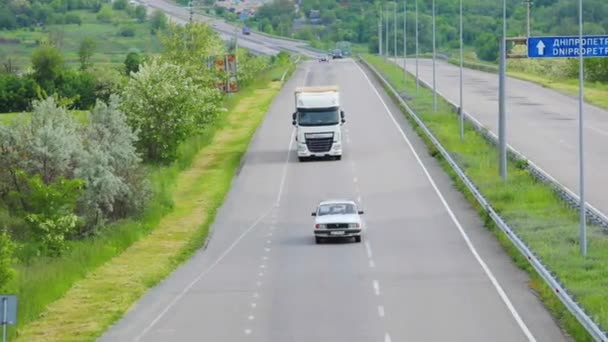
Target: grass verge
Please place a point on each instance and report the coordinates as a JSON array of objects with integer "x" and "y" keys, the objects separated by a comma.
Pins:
[
  {"x": 541, "y": 219},
  {"x": 79, "y": 296}
]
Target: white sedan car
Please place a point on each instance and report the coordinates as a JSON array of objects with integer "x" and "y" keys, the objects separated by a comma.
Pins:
[{"x": 337, "y": 219}]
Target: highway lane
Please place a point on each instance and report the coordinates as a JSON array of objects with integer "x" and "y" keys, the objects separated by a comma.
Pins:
[
  {"x": 541, "y": 123},
  {"x": 256, "y": 42},
  {"x": 413, "y": 278}
]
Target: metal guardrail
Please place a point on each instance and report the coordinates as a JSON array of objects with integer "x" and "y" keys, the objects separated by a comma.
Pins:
[{"x": 558, "y": 288}]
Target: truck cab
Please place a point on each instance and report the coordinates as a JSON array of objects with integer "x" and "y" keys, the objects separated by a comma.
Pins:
[{"x": 318, "y": 120}]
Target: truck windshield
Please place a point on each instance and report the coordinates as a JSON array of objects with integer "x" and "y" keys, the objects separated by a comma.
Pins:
[{"x": 318, "y": 117}]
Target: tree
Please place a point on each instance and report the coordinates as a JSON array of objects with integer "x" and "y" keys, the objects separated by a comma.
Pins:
[
  {"x": 85, "y": 52},
  {"x": 166, "y": 106},
  {"x": 105, "y": 14},
  {"x": 51, "y": 209},
  {"x": 189, "y": 44},
  {"x": 47, "y": 63},
  {"x": 49, "y": 138},
  {"x": 119, "y": 5},
  {"x": 141, "y": 13},
  {"x": 158, "y": 21},
  {"x": 110, "y": 158},
  {"x": 132, "y": 62}
]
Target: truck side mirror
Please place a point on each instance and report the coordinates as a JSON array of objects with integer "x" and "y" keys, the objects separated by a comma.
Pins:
[
  {"x": 293, "y": 122},
  {"x": 293, "y": 116},
  {"x": 342, "y": 113}
]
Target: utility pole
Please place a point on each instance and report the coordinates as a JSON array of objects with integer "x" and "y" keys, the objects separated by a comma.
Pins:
[
  {"x": 191, "y": 10},
  {"x": 528, "y": 3},
  {"x": 395, "y": 32},
  {"x": 380, "y": 34},
  {"x": 417, "y": 81},
  {"x": 581, "y": 150},
  {"x": 460, "y": 111},
  {"x": 434, "y": 63},
  {"x": 386, "y": 32},
  {"x": 502, "y": 79},
  {"x": 405, "y": 42}
]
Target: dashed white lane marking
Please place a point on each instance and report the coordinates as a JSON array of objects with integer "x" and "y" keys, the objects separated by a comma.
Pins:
[
  {"x": 258, "y": 283},
  {"x": 268, "y": 241},
  {"x": 253, "y": 305},
  {"x": 484, "y": 266},
  {"x": 251, "y": 317},
  {"x": 266, "y": 249},
  {"x": 368, "y": 249},
  {"x": 265, "y": 257},
  {"x": 355, "y": 180},
  {"x": 199, "y": 277},
  {"x": 247, "y": 331},
  {"x": 262, "y": 266},
  {"x": 372, "y": 264},
  {"x": 376, "y": 288},
  {"x": 387, "y": 337},
  {"x": 359, "y": 199},
  {"x": 256, "y": 295},
  {"x": 261, "y": 274},
  {"x": 380, "y": 310},
  {"x": 269, "y": 234},
  {"x": 284, "y": 175}
]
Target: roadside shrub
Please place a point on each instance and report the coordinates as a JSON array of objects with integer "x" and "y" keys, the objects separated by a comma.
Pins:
[
  {"x": 51, "y": 210},
  {"x": 73, "y": 18},
  {"x": 132, "y": 62},
  {"x": 49, "y": 139},
  {"x": 110, "y": 158},
  {"x": 16, "y": 92},
  {"x": 166, "y": 106},
  {"x": 127, "y": 31},
  {"x": 105, "y": 14},
  {"x": 119, "y": 5},
  {"x": 78, "y": 87},
  {"x": 7, "y": 248}
]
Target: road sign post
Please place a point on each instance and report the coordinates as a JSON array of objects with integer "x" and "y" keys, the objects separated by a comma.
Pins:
[
  {"x": 574, "y": 47},
  {"x": 8, "y": 312}
]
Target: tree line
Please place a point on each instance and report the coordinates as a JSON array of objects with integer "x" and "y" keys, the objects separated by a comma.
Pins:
[
  {"x": 62, "y": 179},
  {"x": 356, "y": 21}
]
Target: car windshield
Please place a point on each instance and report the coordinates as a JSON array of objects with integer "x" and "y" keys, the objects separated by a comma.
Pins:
[
  {"x": 337, "y": 209},
  {"x": 318, "y": 118}
]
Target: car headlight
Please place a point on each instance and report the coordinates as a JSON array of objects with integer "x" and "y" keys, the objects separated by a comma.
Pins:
[
  {"x": 353, "y": 225},
  {"x": 320, "y": 226}
]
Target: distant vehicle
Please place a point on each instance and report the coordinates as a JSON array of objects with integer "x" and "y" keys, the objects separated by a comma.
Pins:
[
  {"x": 337, "y": 219},
  {"x": 246, "y": 30},
  {"x": 337, "y": 54},
  {"x": 324, "y": 58},
  {"x": 318, "y": 120}
]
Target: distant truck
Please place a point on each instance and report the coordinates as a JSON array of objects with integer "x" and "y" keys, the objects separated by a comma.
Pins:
[
  {"x": 318, "y": 120},
  {"x": 246, "y": 30}
]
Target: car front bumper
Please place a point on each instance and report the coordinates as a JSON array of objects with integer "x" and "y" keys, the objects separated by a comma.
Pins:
[
  {"x": 336, "y": 150},
  {"x": 337, "y": 233}
]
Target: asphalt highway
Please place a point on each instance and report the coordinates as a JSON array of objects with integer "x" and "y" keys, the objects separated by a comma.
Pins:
[
  {"x": 426, "y": 270},
  {"x": 255, "y": 42},
  {"x": 541, "y": 123}
]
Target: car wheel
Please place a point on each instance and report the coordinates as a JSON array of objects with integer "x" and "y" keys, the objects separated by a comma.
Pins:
[
  {"x": 358, "y": 238},
  {"x": 318, "y": 240}
]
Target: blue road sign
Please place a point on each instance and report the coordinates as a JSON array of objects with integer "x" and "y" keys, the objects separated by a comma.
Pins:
[
  {"x": 8, "y": 309},
  {"x": 567, "y": 47}
]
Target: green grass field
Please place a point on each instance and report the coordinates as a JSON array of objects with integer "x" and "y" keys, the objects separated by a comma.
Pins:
[
  {"x": 80, "y": 294},
  {"x": 111, "y": 48},
  {"x": 81, "y": 116},
  {"x": 532, "y": 209}
]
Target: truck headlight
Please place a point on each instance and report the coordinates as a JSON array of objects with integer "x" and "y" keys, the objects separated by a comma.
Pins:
[{"x": 353, "y": 225}]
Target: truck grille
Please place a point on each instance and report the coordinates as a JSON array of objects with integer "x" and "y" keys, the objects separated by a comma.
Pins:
[
  {"x": 319, "y": 144},
  {"x": 337, "y": 225}
]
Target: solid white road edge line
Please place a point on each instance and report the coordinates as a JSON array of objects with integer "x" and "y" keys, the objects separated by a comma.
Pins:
[
  {"x": 200, "y": 276},
  {"x": 485, "y": 267}
]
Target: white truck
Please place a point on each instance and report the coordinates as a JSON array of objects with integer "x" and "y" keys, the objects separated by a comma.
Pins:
[{"x": 318, "y": 120}]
